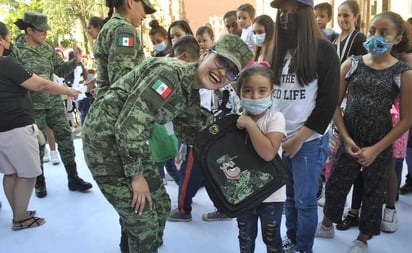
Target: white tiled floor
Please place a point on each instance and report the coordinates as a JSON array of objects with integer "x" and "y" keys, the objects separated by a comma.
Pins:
[{"x": 85, "y": 222}]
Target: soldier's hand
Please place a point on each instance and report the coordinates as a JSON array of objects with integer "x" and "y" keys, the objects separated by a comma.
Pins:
[
  {"x": 74, "y": 94},
  {"x": 141, "y": 193}
]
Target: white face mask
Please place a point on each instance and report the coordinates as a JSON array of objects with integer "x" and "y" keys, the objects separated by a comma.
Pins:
[
  {"x": 160, "y": 47},
  {"x": 259, "y": 39}
]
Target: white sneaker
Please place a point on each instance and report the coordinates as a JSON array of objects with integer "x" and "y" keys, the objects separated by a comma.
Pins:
[
  {"x": 46, "y": 156},
  {"x": 325, "y": 232},
  {"x": 321, "y": 200},
  {"x": 54, "y": 157},
  {"x": 358, "y": 247},
  {"x": 390, "y": 220}
]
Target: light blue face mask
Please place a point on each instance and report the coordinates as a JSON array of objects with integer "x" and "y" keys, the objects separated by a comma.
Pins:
[
  {"x": 259, "y": 39},
  {"x": 160, "y": 47},
  {"x": 256, "y": 106},
  {"x": 376, "y": 45}
]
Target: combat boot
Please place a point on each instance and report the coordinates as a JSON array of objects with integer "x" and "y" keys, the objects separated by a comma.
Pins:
[
  {"x": 40, "y": 187},
  {"x": 75, "y": 182}
]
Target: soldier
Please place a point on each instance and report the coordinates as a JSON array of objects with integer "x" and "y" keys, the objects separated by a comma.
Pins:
[
  {"x": 119, "y": 124},
  {"x": 40, "y": 58},
  {"x": 118, "y": 43}
]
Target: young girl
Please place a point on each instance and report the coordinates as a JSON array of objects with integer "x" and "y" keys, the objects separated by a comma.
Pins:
[
  {"x": 263, "y": 36},
  {"x": 245, "y": 15},
  {"x": 371, "y": 83},
  {"x": 158, "y": 36},
  {"x": 266, "y": 129},
  {"x": 205, "y": 37}
]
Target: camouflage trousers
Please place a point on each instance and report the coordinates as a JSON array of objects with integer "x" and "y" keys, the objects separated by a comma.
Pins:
[
  {"x": 145, "y": 232},
  {"x": 55, "y": 119}
]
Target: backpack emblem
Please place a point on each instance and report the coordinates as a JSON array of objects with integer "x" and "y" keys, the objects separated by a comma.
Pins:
[{"x": 214, "y": 129}]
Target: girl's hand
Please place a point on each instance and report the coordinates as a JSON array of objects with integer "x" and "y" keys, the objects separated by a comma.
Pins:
[
  {"x": 351, "y": 147},
  {"x": 141, "y": 193},
  {"x": 243, "y": 121},
  {"x": 367, "y": 156},
  {"x": 292, "y": 146}
]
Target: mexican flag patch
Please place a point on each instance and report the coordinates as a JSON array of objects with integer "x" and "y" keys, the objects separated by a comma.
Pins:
[
  {"x": 162, "y": 89},
  {"x": 125, "y": 42}
]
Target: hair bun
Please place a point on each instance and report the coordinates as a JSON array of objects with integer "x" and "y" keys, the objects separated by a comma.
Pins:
[
  {"x": 21, "y": 24},
  {"x": 154, "y": 23}
]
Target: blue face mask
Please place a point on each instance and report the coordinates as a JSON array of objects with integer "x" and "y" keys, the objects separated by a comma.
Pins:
[
  {"x": 256, "y": 106},
  {"x": 160, "y": 47},
  {"x": 376, "y": 45},
  {"x": 259, "y": 39}
]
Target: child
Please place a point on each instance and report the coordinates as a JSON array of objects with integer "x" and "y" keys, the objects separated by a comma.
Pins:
[
  {"x": 245, "y": 15},
  {"x": 118, "y": 125},
  {"x": 266, "y": 129},
  {"x": 323, "y": 15},
  {"x": 371, "y": 83},
  {"x": 205, "y": 37},
  {"x": 263, "y": 36},
  {"x": 159, "y": 39}
]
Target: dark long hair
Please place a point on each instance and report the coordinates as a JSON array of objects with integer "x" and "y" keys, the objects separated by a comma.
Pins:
[
  {"x": 112, "y": 4},
  {"x": 3, "y": 30},
  {"x": 304, "y": 56},
  {"x": 267, "y": 22},
  {"x": 182, "y": 24}
]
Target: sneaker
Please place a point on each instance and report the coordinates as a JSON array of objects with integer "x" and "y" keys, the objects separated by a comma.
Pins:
[
  {"x": 54, "y": 157},
  {"x": 215, "y": 216},
  {"x": 78, "y": 184},
  {"x": 351, "y": 220},
  {"x": 405, "y": 189},
  {"x": 325, "y": 232},
  {"x": 321, "y": 200},
  {"x": 46, "y": 156},
  {"x": 390, "y": 221},
  {"x": 176, "y": 215},
  {"x": 358, "y": 247},
  {"x": 288, "y": 246}
]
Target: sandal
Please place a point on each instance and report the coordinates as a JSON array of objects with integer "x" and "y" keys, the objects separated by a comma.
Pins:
[
  {"x": 28, "y": 223},
  {"x": 29, "y": 213}
]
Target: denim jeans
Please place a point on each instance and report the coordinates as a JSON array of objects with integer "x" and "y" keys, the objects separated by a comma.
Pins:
[
  {"x": 84, "y": 106},
  {"x": 171, "y": 169},
  {"x": 301, "y": 208},
  {"x": 270, "y": 215}
]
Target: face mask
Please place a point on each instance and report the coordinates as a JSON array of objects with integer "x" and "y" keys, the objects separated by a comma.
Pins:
[
  {"x": 288, "y": 28},
  {"x": 256, "y": 106},
  {"x": 376, "y": 45},
  {"x": 7, "y": 51},
  {"x": 160, "y": 47},
  {"x": 259, "y": 39}
]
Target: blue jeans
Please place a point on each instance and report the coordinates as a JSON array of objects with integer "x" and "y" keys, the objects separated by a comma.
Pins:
[
  {"x": 84, "y": 106},
  {"x": 301, "y": 208},
  {"x": 270, "y": 215}
]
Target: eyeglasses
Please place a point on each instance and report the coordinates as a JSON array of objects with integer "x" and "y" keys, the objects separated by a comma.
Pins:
[{"x": 232, "y": 73}]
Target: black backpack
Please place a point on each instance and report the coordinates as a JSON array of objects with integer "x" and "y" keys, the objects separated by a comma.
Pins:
[{"x": 236, "y": 177}]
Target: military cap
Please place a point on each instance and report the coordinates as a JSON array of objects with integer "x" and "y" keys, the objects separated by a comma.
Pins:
[
  {"x": 233, "y": 48},
  {"x": 276, "y": 3},
  {"x": 148, "y": 7},
  {"x": 37, "y": 20}
]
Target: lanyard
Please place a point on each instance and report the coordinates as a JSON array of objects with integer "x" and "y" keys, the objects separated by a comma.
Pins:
[{"x": 344, "y": 47}]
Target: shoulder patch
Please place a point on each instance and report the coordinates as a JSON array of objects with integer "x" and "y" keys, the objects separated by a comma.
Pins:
[
  {"x": 162, "y": 89},
  {"x": 125, "y": 41}
]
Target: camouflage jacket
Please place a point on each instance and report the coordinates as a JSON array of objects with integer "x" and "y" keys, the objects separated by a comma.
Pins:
[
  {"x": 158, "y": 90},
  {"x": 117, "y": 50},
  {"x": 42, "y": 60}
]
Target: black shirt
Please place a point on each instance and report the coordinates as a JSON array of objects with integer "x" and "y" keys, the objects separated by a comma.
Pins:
[{"x": 16, "y": 109}]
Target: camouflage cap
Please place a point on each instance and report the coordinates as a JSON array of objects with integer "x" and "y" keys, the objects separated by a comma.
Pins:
[
  {"x": 148, "y": 7},
  {"x": 37, "y": 20},
  {"x": 233, "y": 48}
]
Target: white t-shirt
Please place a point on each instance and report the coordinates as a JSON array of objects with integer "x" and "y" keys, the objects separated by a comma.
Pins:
[
  {"x": 247, "y": 37},
  {"x": 273, "y": 121},
  {"x": 295, "y": 101}
]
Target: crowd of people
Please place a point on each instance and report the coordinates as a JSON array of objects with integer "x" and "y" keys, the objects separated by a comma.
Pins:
[{"x": 334, "y": 106}]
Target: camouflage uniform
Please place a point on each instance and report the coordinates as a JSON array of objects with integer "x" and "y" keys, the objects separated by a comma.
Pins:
[
  {"x": 49, "y": 109},
  {"x": 117, "y": 50},
  {"x": 114, "y": 158},
  {"x": 115, "y": 135},
  {"x": 118, "y": 45}
]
